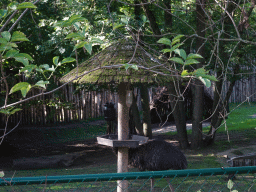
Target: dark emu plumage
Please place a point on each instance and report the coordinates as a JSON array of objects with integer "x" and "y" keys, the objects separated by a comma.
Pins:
[{"x": 157, "y": 155}]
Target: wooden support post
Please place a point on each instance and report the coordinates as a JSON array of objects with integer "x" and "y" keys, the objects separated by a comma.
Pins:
[{"x": 123, "y": 134}]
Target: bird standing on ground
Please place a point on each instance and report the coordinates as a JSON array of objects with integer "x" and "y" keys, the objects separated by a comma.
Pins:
[{"x": 157, "y": 156}]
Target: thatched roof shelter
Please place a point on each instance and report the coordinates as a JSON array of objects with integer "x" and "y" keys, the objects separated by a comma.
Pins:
[
  {"x": 110, "y": 64},
  {"x": 111, "y": 61}
]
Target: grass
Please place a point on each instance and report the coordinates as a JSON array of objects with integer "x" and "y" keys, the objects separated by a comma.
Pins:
[
  {"x": 66, "y": 171},
  {"x": 240, "y": 119},
  {"x": 80, "y": 132}
]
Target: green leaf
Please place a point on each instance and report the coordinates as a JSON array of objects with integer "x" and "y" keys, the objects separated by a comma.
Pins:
[
  {"x": 124, "y": 20},
  {"x": 12, "y": 45},
  {"x": 211, "y": 77},
  {"x": 88, "y": 47},
  {"x": 177, "y": 60},
  {"x": 3, "y": 13},
  {"x": 76, "y": 36},
  {"x": 191, "y": 61},
  {"x": 6, "y": 35},
  {"x": 19, "y": 36},
  {"x": 24, "y": 87},
  {"x": 96, "y": 41},
  {"x": 126, "y": 66},
  {"x": 164, "y": 41},
  {"x": 14, "y": 111},
  {"x": 22, "y": 60},
  {"x": 1, "y": 174},
  {"x": 230, "y": 184},
  {"x": 26, "y": 5},
  {"x": 3, "y": 41},
  {"x": 76, "y": 18},
  {"x": 185, "y": 73},
  {"x": 25, "y": 56},
  {"x": 194, "y": 56},
  {"x": 181, "y": 53},
  {"x": 5, "y": 111},
  {"x": 205, "y": 81},
  {"x": 28, "y": 68},
  {"x": 7, "y": 46},
  {"x": 72, "y": 20},
  {"x": 55, "y": 60},
  {"x": 200, "y": 72},
  {"x": 69, "y": 2},
  {"x": 144, "y": 18},
  {"x": 42, "y": 84},
  {"x": 166, "y": 50},
  {"x": 176, "y": 46},
  {"x": 176, "y": 39},
  {"x": 11, "y": 53},
  {"x": 47, "y": 68},
  {"x": 13, "y": 5},
  {"x": 117, "y": 25},
  {"x": 39, "y": 70},
  {"x": 135, "y": 67},
  {"x": 68, "y": 60},
  {"x": 24, "y": 91},
  {"x": 79, "y": 45}
]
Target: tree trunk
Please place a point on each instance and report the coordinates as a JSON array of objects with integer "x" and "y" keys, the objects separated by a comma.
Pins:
[
  {"x": 167, "y": 16},
  {"x": 219, "y": 106},
  {"x": 179, "y": 115},
  {"x": 147, "y": 129},
  {"x": 198, "y": 88},
  {"x": 151, "y": 18},
  {"x": 137, "y": 10},
  {"x": 136, "y": 117},
  {"x": 197, "y": 114}
]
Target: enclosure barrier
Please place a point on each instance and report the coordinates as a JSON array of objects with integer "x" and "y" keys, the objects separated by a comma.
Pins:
[{"x": 212, "y": 179}]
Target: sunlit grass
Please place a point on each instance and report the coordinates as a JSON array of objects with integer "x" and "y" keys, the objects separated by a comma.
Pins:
[{"x": 241, "y": 118}]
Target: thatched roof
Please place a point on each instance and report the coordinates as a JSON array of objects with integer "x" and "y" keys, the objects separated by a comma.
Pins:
[{"x": 117, "y": 54}]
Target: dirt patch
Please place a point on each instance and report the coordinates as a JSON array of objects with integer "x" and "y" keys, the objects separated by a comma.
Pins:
[{"x": 31, "y": 143}]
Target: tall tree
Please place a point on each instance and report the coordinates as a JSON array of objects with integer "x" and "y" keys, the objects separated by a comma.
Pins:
[
  {"x": 197, "y": 86},
  {"x": 221, "y": 102}
]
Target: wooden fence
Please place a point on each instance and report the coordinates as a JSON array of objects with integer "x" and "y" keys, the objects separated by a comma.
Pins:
[
  {"x": 68, "y": 105},
  {"x": 244, "y": 89},
  {"x": 65, "y": 105}
]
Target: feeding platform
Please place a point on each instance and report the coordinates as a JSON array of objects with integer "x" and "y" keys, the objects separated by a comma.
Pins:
[{"x": 111, "y": 140}]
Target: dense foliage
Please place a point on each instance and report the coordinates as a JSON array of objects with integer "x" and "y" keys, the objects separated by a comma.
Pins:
[{"x": 204, "y": 41}]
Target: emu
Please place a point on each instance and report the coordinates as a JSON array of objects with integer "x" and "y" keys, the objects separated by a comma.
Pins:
[{"x": 157, "y": 155}]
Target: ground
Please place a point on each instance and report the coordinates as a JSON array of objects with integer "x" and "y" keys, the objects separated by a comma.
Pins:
[{"x": 31, "y": 143}]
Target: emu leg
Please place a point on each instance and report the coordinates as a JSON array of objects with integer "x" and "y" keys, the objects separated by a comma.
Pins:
[
  {"x": 171, "y": 187},
  {"x": 152, "y": 180}
]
